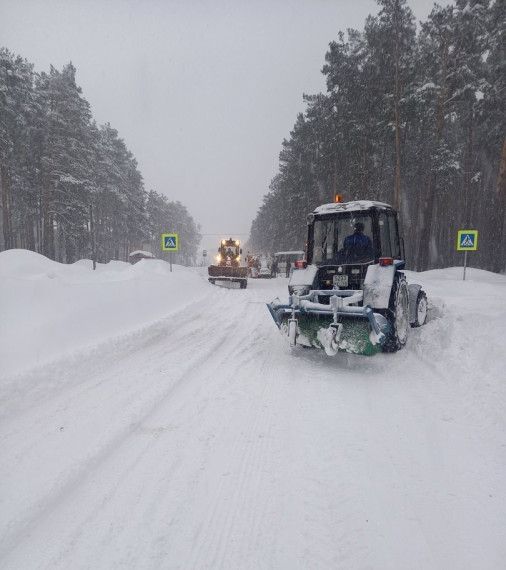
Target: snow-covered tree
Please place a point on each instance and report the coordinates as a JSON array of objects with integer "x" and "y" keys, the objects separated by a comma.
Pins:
[
  {"x": 18, "y": 172},
  {"x": 57, "y": 166},
  {"x": 66, "y": 162},
  {"x": 420, "y": 117}
]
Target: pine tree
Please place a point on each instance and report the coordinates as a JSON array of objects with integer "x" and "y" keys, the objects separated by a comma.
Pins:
[
  {"x": 398, "y": 31},
  {"x": 17, "y": 172},
  {"x": 491, "y": 136},
  {"x": 67, "y": 164}
]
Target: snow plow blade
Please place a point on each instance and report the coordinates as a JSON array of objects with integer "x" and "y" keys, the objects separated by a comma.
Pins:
[
  {"x": 228, "y": 274},
  {"x": 333, "y": 327}
]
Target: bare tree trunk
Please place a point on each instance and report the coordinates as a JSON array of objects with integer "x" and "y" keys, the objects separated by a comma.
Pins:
[
  {"x": 30, "y": 226},
  {"x": 365, "y": 190},
  {"x": 47, "y": 224},
  {"x": 500, "y": 264},
  {"x": 468, "y": 169},
  {"x": 397, "y": 182},
  {"x": 334, "y": 180},
  {"x": 6, "y": 219},
  {"x": 30, "y": 238},
  {"x": 428, "y": 206},
  {"x": 501, "y": 179}
]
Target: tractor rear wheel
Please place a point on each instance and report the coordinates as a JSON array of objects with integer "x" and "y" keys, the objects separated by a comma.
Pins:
[{"x": 397, "y": 315}]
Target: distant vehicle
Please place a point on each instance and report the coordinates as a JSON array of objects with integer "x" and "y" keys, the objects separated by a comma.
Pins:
[
  {"x": 228, "y": 264},
  {"x": 259, "y": 265},
  {"x": 282, "y": 257},
  {"x": 265, "y": 267}
]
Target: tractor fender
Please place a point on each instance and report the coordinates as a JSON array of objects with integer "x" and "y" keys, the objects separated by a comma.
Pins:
[
  {"x": 378, "y": 285},
  {"x": 303, "y": 277}
]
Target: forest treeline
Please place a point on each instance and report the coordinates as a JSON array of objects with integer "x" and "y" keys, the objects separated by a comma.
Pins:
[
  {"x": 413, "y": 118},
  {"x": 63, "y": 175}
]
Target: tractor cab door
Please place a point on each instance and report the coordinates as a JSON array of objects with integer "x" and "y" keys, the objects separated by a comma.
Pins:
[{"x": 388, "y": 229}]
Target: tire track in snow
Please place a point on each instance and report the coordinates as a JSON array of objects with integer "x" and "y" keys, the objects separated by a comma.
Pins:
[
  {"x": 235, "y": 512},
  {"x": 322, "y": 497},
  {"x": 77, "y": 475},
  {"x": 259, "y": 488},
  {"x": 154, "y": 513},
  {"x": 43, "y": 383}
]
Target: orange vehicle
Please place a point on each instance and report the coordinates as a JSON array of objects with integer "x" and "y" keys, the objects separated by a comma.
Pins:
[{"x": 228, "y": 266}]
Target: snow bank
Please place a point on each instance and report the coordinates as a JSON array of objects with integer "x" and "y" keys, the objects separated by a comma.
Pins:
[{"x": 53, "y": 309}]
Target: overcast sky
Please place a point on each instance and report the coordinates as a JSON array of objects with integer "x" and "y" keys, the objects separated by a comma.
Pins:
[{"x": 203, "y": 92}]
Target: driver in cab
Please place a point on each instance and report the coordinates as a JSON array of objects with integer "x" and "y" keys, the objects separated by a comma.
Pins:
[{"x": 358, "y": 246}]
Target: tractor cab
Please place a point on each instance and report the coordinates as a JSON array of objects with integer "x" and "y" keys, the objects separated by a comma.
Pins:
[
  {"x": 344, "y": 239},
  {"x": 229, "y": 253}
]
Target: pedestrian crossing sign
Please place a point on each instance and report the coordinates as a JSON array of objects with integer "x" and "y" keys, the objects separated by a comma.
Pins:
[
  {"x": 467, "y": 240},
  {"x": 170, "y": 242}
]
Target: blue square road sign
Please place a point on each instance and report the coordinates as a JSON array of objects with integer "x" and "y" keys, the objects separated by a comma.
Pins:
[
  {"x": 467, "y": 240},
  {"x": 170, "y": 242}
]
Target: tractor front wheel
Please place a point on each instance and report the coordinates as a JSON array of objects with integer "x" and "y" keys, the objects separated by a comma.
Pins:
[
  {"x": 420, "y": 309},
  {"x": 397, "y": 315}
]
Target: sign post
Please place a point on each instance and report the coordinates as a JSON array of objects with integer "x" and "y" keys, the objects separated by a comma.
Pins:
[
  {"x": 467, "y": 240},
  {"x": 170, "y": 242}
]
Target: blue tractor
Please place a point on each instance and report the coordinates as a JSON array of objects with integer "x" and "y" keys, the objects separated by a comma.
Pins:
[{"x": 350, "y": 293}]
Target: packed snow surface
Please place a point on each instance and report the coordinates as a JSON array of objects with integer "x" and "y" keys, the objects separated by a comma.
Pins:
[{"x": 149, "y": 419}]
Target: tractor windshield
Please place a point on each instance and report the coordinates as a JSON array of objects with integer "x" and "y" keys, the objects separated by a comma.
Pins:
[{"x": 343, "y": 239}]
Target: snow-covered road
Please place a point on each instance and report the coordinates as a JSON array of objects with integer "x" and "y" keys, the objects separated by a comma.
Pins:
[{"x": 198, "y": 440}]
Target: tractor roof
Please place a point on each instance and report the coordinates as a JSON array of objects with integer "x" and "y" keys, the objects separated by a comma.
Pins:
[
  {"x": 358, "y": 205},
  {"x": 230, "y": 242}
]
